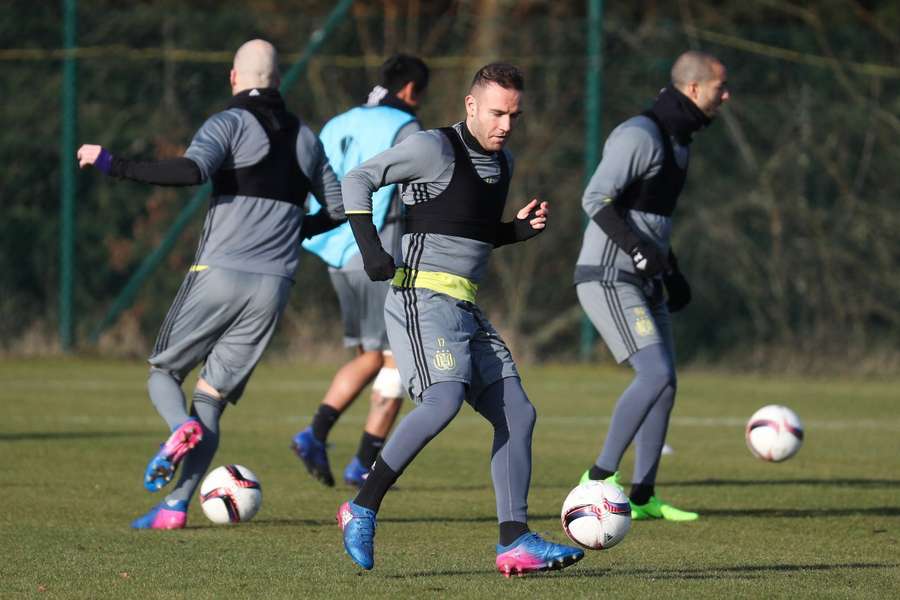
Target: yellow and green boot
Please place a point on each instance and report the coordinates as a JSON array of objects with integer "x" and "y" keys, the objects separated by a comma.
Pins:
[{"x": 657, "y": 509}]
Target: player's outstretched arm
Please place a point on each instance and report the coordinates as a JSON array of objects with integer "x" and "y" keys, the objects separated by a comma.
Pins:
[
  {"x": 530, "y": 221},
  {"x": 171, "y": 171},
  {"x": 324, "y": 186}
]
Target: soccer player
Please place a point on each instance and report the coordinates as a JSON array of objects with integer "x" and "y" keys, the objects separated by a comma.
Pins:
[
  {"x": 627, "y": 277},
  {"x": 387, "y": 118},
  {"x": 454, "y": 183},
  {"x": 262, "y": 161}
]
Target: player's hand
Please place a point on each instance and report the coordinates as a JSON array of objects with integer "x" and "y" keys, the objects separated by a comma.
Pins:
[
  {"x": 530, "y": 221},
  {"x": 535, "y": 213},
  {"x": 379, "y": 267},
  {"x": 678, "y": 290},
  {"x": 94, "y": 155},
  {"x": 648, "y": 259}
]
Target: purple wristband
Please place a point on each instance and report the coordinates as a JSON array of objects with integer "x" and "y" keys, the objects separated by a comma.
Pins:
[{"x": 104, "y": 161}]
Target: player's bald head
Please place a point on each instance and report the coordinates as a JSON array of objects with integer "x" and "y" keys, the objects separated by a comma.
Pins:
[
  {"x": 255, "y": 66},
  {"x": 694, "y": 67}
]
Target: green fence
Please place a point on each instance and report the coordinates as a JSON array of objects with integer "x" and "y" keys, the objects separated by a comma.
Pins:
[{"x": 787, "y": 227}]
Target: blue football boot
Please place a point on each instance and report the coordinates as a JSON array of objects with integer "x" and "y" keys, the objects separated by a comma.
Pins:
[
  {"x": 530, "y": 553},
  {"x": 355, "y": 473},
  {"x": 358, "y": 525},
  {"x": 314, "y": 455}
]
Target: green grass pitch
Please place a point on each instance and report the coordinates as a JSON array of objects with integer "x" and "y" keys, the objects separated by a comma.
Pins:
[{"x": 75, "y": 436}]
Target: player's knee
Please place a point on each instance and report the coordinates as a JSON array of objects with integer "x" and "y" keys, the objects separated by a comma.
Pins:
[
  {"x": 161, "y": 377},
  {"x": 526, "y": 417},
  {"x": 205, "y": 387},
  {"x": 658, "y": 377},
  {"x": 371, "y": 360},
  {"x": 388, "y": 383}
]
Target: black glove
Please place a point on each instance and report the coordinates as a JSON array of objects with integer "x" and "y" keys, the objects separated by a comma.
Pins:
[
  {"x": 517, "y": 230},
  {"x": 379, "y": 265},
  {"x": 648, "y": 259},
  {"x": 677, "y": 288},
  {"x": 317, "y": 223}
]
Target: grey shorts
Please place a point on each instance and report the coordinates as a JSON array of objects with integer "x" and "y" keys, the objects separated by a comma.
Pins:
[
  {"x": 438, "y": 338},
  {"x": 626, "y": 320},
  {"x": 224, "y": 318},
  {"x": 362, "y": 309}
]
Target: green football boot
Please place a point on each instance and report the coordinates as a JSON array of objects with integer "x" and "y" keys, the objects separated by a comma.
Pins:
[
  {"x": 613, "y": 479},
  {"x": 657, "y": 509}
]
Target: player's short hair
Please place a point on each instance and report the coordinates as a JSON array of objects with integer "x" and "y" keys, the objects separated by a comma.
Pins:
[
  {"x": 691, "y": 66},
  {"x": 505, "y": 75},
  {"x": 400, "y": 69}
]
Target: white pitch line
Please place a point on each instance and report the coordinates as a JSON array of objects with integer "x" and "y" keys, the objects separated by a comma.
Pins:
[
  {"x": 95, "y": 385},
  {"x": 578, "y": 421}
]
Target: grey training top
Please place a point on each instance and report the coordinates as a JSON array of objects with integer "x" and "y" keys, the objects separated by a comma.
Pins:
[
  {"x": 423, "y": 165},
  {"x": 634, "y": 150},
  {"x": 257, "y": 235},
  {"x": 392, "y": 230}
]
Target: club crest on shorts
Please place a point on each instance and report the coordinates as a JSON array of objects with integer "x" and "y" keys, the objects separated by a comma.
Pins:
[
  {"x": 443, "y": 359},
  {"x": 643, "y": 324}
]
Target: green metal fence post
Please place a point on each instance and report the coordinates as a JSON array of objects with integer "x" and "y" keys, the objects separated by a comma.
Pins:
[
  {"x": 69, "y": 119},
  {"x": 593, "y": 106},
  {"x": 126, "y": 296}
]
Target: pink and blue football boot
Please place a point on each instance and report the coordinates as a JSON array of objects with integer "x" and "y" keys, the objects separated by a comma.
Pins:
[
  {"x": 530, "y": 553},
  {"x": 358, "y": 525},
  {"x": 162, "y": 466},
  {"x": 163, "y": 516}
]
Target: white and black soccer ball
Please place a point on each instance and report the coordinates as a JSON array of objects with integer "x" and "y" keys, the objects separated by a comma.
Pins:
[
  {"x": 230, "y": 494},
  {"x": 596, "y": 515},
  {"x": 774, "y": 433}
]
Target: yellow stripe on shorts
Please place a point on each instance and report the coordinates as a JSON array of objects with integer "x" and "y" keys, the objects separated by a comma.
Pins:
[{"x": 445, "y": 283}]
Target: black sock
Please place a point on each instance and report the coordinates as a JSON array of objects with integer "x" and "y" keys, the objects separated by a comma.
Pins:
[
  {"x": 510, "y": 531},
  {"x": 376, "y": 485},
  {"x": 369, "y": 447},
  {"x": 598, "y": 474},
  {"x": 640, "y": 494},
  {"x": 323, "y": 421}
]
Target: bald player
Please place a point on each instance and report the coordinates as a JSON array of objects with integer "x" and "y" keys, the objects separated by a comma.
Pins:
[
  {"x": 454, "y": 183},
  {"x": 627, "y": 277},
  {"x": 262, "y": 161}
]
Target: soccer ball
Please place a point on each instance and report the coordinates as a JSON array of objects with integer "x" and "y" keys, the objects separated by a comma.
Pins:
[
  {"x": 230, "y": 494},
  {"x": 774, "y": 433},
  {"x": 596, "y": 515}
]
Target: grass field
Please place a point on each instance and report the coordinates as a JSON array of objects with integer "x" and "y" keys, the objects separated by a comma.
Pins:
[{"x": 76, "y": 434}]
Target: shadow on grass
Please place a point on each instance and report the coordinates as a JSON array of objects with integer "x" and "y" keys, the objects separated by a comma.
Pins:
[
  {"x": 756, "y": 482},
  {"x": 482, "y": 487},
  {"x": 789, "y": 513},
  {"x": 738, "y": 571},
  {"x": 27, "y": 436},
  {"x": 712, "y": 573},
  {"x": 799, "y": 513},
  {"x": 280, "y": 522},
  {"x": 857, "y": 483}
]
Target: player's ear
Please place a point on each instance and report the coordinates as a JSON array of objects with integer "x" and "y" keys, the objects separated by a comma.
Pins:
[{"x": 471, "y": 106}]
